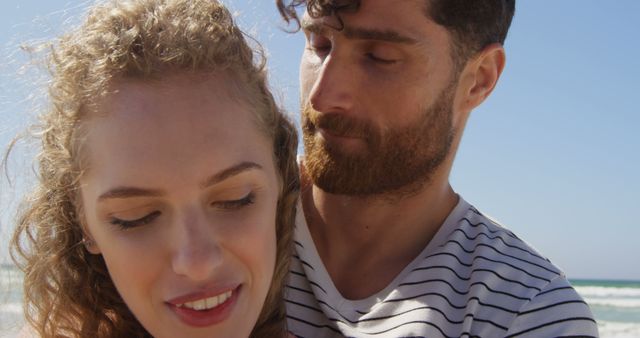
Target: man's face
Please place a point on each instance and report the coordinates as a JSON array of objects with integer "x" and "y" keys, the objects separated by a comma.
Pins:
[{"x": 376, "y": 98}]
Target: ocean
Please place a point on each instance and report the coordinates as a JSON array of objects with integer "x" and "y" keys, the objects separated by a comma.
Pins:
[
  {"x": 615, "y": 304},
  {"x": 11, "y": 318}
]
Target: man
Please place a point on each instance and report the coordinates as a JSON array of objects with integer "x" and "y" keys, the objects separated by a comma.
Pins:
[{"x": 385, "y": 247}]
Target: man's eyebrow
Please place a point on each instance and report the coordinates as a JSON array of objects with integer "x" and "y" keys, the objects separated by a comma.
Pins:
[
  {"x": 359, "y": 33},
  {"x": 229, "y": 172},
  {"x": 128, "y": 192},
  {"x": 312, "y": 27}
]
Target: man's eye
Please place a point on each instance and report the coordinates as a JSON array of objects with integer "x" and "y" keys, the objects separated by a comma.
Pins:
[
  {"x": 128, "y": 224},
  {"x": 375, "y": 58},
  {"x": 320, "y": 49},
  {"x": 235, "y": 204},
  {"x": 319, "y": 44}
]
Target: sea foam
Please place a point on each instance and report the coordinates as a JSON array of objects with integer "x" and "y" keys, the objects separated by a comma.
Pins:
[
  {"x": 601, "y": 291},
  {"x": 618, "y": 329}
]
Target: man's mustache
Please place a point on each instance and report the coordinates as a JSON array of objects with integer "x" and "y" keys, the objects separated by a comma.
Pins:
[{"x": 336, "y": 124}]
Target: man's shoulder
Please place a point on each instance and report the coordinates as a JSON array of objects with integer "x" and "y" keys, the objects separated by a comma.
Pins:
[
  {"x": 506, "y": 272},
  {"x": 556, "y": 311},
  {"x": 475, "y": 252},
  {"x": 481, "y": 238},
  {"x": 474, "y": 268}
]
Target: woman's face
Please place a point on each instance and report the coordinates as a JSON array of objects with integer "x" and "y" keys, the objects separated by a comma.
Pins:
[{"x": 180, "y": 196}]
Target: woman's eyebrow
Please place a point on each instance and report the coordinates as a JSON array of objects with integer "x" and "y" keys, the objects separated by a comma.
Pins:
[
  {"x": 128, "y": 192},
  {"x": 229, "y": 172}
]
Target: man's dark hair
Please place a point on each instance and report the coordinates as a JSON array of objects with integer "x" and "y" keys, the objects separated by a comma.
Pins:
[{"x": 474, "y": 24}]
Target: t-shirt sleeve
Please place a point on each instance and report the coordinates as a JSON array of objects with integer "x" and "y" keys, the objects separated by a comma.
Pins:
[{"x": 556, "y": 311}]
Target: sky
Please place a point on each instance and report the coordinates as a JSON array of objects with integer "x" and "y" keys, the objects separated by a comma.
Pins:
[{"x": 553, "y": 154}]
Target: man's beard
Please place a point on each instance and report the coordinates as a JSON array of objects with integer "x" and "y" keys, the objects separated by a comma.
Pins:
[{"x": 394, "y": 162}]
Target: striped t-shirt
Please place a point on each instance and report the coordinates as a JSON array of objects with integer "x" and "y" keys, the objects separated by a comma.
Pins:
[{"x": 474, "y": 279}]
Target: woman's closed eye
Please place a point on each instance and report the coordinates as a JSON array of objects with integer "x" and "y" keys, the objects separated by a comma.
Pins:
[
  {"x": 128, "y": 224},
  {"x": 235, "y": 204}
]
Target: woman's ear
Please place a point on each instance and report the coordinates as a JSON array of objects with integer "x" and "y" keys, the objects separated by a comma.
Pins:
[
  {"x": 87, "y": 239},
  {"x": 479, "y": 77},
  {"x": 90, "y": 245}
]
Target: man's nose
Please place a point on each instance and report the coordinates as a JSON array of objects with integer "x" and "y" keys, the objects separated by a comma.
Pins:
[
  {"x": 333, "y": 87},
  {"x": 197, "y": 252}
]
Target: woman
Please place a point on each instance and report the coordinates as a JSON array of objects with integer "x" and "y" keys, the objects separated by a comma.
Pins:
[{"x": 167, "y": 181}]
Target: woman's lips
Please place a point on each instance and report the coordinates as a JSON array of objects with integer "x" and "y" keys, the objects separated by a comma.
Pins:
[{"x": 204, "y": 308}]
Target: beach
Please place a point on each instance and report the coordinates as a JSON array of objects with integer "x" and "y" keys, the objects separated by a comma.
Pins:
[{"x": 615, "y": 304}]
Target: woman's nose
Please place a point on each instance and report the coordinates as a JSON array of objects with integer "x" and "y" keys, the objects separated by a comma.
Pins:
[{"x": 197, "y": 251}]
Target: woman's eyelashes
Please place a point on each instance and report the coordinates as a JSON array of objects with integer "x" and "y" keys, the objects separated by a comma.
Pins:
[
  {"x": 128, "y": 224},
  {"x": 224, "y": 205},
  {"x": 231, "y": 205}
]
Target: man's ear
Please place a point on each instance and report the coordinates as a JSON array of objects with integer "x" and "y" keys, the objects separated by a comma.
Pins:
[{"x": 479, "y": 77}]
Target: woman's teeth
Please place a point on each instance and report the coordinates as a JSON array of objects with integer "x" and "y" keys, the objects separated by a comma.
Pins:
[{"x": 207, "y": 303}]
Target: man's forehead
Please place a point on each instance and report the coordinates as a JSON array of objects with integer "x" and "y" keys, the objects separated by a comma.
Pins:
[{"x": 355, "y": 32}]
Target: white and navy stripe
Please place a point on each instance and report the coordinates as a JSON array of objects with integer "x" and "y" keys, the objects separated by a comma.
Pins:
[{"x": 474, "y": 279}]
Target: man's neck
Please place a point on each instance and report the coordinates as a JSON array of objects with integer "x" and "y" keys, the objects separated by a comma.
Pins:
[{"x": 366, "y": 242}]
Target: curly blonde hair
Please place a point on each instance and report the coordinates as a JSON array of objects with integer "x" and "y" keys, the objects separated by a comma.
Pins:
[{"x": 68, "y": 292}]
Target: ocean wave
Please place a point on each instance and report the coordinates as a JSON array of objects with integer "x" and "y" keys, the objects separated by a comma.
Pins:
[
  {"x": 11, "y": 320},
  {"x": 9, "y": 281},
  {"x": 601, "y": 291},
  {"x": 12, "y": 308},
  {"x": 618, "y": 329},
  {"x": 614, "y": 302}
]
